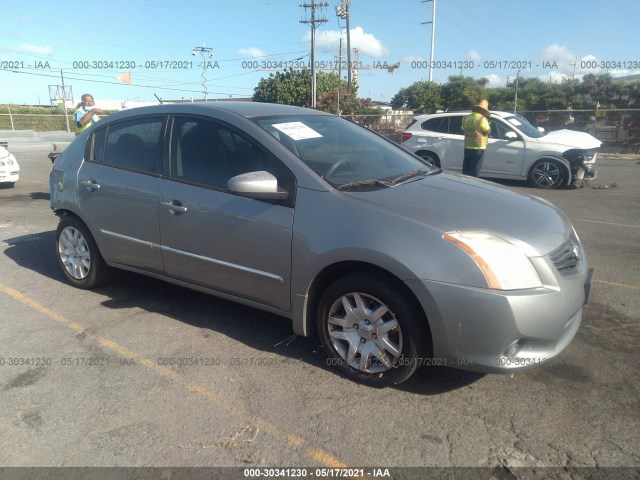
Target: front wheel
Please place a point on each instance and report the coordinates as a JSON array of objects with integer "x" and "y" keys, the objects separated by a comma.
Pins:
[
  {"x": 78, "y": 254},
  {"x": 370, "y": 331},
  {"x": 546, "y": 173}
]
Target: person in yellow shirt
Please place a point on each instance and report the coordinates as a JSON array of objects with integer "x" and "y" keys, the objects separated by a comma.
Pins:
[{"x": 476, "y": 133}]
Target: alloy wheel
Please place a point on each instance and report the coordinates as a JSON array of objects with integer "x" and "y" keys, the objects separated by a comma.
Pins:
[{"x": 546, "y": 174}]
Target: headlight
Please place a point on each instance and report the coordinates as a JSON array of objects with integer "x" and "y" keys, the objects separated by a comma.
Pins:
[{"x": 504, "y": 265}]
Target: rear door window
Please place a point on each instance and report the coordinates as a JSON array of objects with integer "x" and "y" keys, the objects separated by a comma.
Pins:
[
  {"x": 455, "y": 125},
  {"x": 132, "y": 144},
  {"x": 438, "y": 124}
]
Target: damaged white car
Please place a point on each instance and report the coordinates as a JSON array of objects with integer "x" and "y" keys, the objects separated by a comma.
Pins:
[
  {"x": 516, "y": 149},
  {"x": 9, "y": 168}
]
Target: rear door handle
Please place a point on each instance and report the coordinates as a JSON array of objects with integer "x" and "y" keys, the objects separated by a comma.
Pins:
[
  {"x": 91, "y": 185},
  {"x": 175, "y": 207}
]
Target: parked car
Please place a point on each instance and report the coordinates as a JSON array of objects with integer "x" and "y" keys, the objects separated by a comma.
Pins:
[
  {"x": 9, "y": 168},
  {"x": 516, "y": 149},
  {"x": 390, "y": 262}
]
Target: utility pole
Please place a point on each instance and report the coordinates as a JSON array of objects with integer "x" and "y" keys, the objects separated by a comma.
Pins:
[
  {"x": 60, "y": 94},
  {"x": 313, "y": 22},
  {"x": 515, "y": 101},
  {"x": 204, "y": 52},
  {"x": 433, "y": 35},
  {"x": 340, "y": 60},
  {"x": 573, "y": 78},
  {"x": 342, "y": 11},
  {"x": 66, "y": 114}
]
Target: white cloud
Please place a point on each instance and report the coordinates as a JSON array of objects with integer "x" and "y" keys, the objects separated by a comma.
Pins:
[
  {"x": 560, "y": 54},
  {"x": 251, "y": 52},
  {"x": 553, "y": 77},
  {"x": 412, "y": 58},
  {"x": 473, "y": 55},
  {"x": 35, "y": 49},
  {"x": 366, "y": 43},
  {"x": 495, "y": 80}
]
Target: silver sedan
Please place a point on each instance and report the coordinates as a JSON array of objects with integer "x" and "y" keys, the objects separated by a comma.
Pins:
[{"x": 390, "y": 262}]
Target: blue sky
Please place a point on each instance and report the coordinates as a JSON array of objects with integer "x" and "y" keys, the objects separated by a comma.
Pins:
[{"x": 542, "y": 38}]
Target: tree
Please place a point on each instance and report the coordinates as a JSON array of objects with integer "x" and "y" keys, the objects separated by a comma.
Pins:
[
  {"x": 293, "y": 87},
  {"x": 290, "y": 87},
  {"x": 421, "y": 97},
  {"x": 460, "y": 92}
]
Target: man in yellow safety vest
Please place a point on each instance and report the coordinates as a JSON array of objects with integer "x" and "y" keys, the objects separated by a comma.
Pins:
[
  {"x": 476, "y": 132},
  {"x": 86, "y": 114}
]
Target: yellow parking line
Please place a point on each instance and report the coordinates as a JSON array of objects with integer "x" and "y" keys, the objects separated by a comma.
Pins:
[
  {"x": 617, "y": 284},
  {"x": 609, "y": 223},
  {"x": 294, "y": 441}
]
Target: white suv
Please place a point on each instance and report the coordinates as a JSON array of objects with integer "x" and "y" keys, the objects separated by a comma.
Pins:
[{"x": 516, "y": 149}]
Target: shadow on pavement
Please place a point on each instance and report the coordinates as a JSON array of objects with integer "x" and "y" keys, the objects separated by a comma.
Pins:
[{"x": 257, "y": 329}]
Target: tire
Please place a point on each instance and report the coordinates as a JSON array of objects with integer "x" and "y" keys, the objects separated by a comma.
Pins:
[
  {"x": 547, "y": 173},
  {"x": 78, "y": 254},
  {"x": 382, "y": 351},
  {"x": 430, "y": 157}
]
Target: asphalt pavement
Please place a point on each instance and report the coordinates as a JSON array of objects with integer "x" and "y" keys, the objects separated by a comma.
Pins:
[{"x": 141, "y": 373}]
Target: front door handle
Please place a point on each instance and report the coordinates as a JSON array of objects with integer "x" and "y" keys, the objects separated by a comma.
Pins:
[
  {"x": 175, "y": 207},
  {"x": 91, "y": 185}
]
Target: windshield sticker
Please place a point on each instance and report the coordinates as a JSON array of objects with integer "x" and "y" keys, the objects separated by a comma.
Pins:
[
  {"x": 515, "y": 122},
  {"x": 297, "y": 130}
]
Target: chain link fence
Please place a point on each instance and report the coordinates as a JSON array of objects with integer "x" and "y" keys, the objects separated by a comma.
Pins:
[
  {"x": 618, "y": 129},
  {"x": 38, "y": 123},
  {"x": 35, "y": 132}
]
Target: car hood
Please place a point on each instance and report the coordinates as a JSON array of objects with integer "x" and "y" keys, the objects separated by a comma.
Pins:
[
  {"x": 571, "y": 138},
  {"x": 448, "y": 202}
]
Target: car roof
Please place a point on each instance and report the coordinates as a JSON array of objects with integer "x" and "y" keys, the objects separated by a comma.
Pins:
[{"x": 245, "y": 109}]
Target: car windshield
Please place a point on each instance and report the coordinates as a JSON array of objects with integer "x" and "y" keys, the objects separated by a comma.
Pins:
[
  {"x": 524, "y": 125},
  {"x": 343, "y": 153}
]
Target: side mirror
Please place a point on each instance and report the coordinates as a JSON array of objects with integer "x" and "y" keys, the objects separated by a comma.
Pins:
[
  {"x": 511, "y": 136},
  {"x": 541, "y": 129},
  {"x": 259, "y": 184}
]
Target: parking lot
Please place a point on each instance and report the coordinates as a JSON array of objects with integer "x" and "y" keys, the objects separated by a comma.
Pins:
[{"x": 143, "y": 373}]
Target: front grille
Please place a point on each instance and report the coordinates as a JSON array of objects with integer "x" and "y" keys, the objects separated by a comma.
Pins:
[{"x": 567, "y": 258}]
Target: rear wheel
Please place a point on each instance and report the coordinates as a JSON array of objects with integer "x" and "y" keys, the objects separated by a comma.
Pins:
[
  {"x": 547, "y": 173},
  {"x": 430, "y": 157},
  {"x": 78, "y": 254},
  {"x": 370, "y": 330}
]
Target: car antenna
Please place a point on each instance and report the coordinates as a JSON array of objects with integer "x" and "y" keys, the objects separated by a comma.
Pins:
[{"x": 158, "y": 98}]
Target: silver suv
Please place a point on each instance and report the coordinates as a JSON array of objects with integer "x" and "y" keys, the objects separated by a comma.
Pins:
[
  {"x": 516, "y": 149},
  {"x": 389, "y": 262}
]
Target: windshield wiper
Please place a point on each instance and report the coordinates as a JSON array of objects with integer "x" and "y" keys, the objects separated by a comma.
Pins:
[
  {"x": 408, "y": 175},
  {"x": 364, "y": 183}
]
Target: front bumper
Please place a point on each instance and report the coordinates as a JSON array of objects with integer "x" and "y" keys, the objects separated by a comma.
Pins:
[
  {"x": 587, "y": 172},
  {"x": 501, "y": 331},
  {"x": 9, "y": 176}
]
